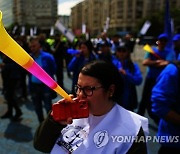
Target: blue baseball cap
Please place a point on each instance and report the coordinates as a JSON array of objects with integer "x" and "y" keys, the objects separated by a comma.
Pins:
[
  {"x": 176, "y": 37},
  {"x": 105, "y": 43},
  {"x": 163, "y": 36}
]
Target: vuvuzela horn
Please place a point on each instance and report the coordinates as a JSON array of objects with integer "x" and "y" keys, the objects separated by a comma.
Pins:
[
  {"x": 147, "y": 48},
  {"x": 14, "y": 51}
]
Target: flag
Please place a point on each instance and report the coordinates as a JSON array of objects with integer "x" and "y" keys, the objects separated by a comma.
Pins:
[
  {"x": 168, "y": 25},
  {"x": 147, "y": 48}
]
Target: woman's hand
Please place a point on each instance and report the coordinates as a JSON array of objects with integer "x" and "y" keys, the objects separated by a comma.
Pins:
[
  {"x": 122, "y": 71},
  {"x": 66, "y": 122},
  {"x": 69, "y": 119}
]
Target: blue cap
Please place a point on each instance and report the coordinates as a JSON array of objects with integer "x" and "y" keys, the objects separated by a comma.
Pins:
[
  {"x": 176, "y": 37},
  {"x": 163, "y": 36},
  {"x": 105, "y": 43}
]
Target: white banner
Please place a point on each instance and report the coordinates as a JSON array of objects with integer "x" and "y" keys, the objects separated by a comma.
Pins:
[
  {"x": 31, "y": 32},
  {"x": 14, "y": 29},
  {"x": 106, "y": 27},
  {"x": 52, "y": 31},
  {"x": 145, "y": 27},
  {"x": 22, "y": 31},
  {"x": 35, "y": 30},
  {"x": 65, "y": 31},
  {"x": 84, "y": 28}
]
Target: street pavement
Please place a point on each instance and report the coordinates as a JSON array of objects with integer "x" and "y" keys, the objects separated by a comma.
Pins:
[{"x": 17, "y": 137}]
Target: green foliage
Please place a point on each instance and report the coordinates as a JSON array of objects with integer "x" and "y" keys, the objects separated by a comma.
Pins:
[{"x": 157, "y": 22}]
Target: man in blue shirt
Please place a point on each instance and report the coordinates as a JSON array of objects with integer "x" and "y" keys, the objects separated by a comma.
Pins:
[
  {"x": 40, "y": 93},
  {"x": 156, "y": 63},
  {"x": 166, "y": 105}
]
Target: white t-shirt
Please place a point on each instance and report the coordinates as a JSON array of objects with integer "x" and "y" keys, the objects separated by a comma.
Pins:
[{"x": 95, "y": 133}]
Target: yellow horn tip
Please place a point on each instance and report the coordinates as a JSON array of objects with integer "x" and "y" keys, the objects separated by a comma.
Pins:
[{"x": 0, "y": 15}]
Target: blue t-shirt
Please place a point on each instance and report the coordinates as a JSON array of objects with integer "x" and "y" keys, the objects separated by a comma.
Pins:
[{"x": 165, "y": 98}]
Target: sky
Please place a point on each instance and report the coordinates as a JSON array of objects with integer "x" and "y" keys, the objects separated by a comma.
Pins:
[{"x": 64, "y": 6}]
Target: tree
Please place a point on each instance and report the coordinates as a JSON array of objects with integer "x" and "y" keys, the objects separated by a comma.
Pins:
[{"x": 157, "y": 22}]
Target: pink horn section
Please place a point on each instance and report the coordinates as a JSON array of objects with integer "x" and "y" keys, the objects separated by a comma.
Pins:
[{"x": 38, "y": 72}]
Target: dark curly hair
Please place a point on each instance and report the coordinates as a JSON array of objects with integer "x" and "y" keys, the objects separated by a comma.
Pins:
[{"x": 107, "y": 74}]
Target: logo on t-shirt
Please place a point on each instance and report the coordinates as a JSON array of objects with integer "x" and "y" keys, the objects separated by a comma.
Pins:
[
  {"x": 101, "y": 138},
  {"x": 72, "y": 137}
]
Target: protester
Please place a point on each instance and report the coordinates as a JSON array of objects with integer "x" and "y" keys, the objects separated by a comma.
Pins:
[
  {"x": 105, "y": 54},
  {"x": 59, "y": 56},
  {"x": 99, "y": 84},
  {"x": 84, "y": 56},
  {"x": 11, "y": 75},
  {"x": 132, "y": 77},
  {"x": 22, "y": 41},
  {"x": 40, "y": 93},
  {"x": 116, "y": 42},
  {"x": 155, "y": 62},
  {"x": 129, "y": 42},
  {"x": 42, "y": 40},
  {"x": 165, "y": 104},
  {"x": 101, "y": 39}
]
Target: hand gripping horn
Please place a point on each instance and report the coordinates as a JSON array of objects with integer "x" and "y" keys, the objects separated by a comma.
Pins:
[{"x": 14, "y": 51}]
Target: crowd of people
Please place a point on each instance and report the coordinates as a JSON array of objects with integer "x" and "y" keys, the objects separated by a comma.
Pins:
[{"x": 104, "y": 74}]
